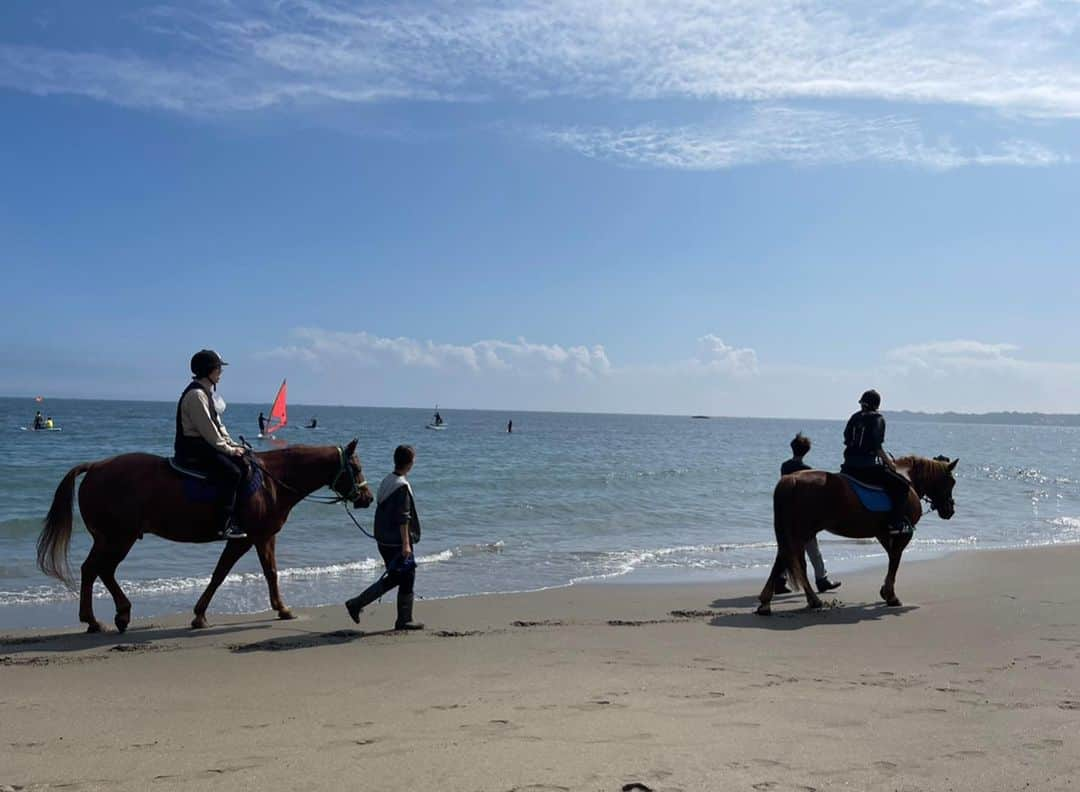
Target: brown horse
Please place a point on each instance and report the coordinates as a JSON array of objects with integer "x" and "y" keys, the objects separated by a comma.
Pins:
[
  {"x": 814, "y": 500},
  {"x": 127, "y": 496}
]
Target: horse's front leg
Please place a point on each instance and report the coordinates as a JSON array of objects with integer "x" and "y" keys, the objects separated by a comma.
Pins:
[
  {"x": 894, "y": 545},
  {"x": 268, "y": 559},
  {"x": 234, "y": 549}
]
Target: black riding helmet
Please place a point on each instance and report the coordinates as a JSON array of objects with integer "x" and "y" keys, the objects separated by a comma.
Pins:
[
  {"x": 871, "y": 399},
  {"x": 204, "y": 361}
]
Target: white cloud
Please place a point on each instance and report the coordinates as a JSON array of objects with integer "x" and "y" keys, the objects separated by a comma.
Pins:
[
  {"x": 791, "y": 135},
  {"x": 716, "y": 356},
  {"x": 324, "y": 348},
  {"x": 1014, "y": 57},
  {"x": 945, "y": 356}
]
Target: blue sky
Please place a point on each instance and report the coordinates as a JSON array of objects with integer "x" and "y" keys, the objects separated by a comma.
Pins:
[{"x": 741, "y": 208}]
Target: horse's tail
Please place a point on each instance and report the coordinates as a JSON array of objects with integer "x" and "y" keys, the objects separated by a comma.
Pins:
[
  {"x": 783, "y": 508},
  {"x": 52, "y": 544}
]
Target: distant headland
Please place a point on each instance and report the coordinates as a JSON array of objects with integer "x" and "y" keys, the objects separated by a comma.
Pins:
[{"x": 1001, "y": 418}]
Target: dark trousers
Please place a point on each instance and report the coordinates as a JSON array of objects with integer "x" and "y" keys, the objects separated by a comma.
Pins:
[
  {"x": 894, "y": 484},
  {"x": 402, "y": 580},
  {"x": 224, "y": 470}
]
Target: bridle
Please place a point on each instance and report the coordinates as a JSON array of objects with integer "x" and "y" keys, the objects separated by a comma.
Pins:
[{"x": 345, "y": 468}]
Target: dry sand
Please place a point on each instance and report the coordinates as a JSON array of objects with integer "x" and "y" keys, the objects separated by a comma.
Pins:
[{"x": 972, "y": 684}]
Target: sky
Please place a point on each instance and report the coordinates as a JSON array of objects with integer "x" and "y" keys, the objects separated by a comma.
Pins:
[{"x": 735, "y": 207}]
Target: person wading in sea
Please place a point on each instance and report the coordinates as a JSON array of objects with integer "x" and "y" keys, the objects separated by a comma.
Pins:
[
  {"x": 397, "y": 529},
  {"x": 202, "y": 442},
  {"x": 800, "y": 447}
]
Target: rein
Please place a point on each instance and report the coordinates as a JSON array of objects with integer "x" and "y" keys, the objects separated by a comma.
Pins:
[{"x": 343, "y": 469}]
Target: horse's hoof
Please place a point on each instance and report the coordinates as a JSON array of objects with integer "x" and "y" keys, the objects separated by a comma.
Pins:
[
  {"x": 93, "y": 627},
  {"x": 884, "y": 594},
  {"x": 122, "y": 620},
  {"x": 199, "y": 622},
  {"x": 285, "y": 614},
  {"x": 763, "y": 610},
  {"x": 894, "y": 602}
]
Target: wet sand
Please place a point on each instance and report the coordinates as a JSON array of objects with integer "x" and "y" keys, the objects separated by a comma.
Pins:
[{"x": 973, "y": 684}]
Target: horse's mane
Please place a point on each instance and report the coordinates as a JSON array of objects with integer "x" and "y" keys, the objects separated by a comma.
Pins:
[{"x": 920, "y": 469}]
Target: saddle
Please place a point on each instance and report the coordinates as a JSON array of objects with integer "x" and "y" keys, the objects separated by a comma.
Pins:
[
  {"x": 198, "y": 488},
  {"x": 873, "y": 499}
]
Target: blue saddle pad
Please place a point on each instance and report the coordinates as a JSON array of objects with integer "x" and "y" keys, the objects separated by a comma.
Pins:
[
  {"x": 199, "y": 489},
  {"x": 873, "y": 499}
]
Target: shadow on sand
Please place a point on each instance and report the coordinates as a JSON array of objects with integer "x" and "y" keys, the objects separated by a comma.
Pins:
[
  {"x": 788, "y": 616},
  {"x": 145, "y": 638},
  {"x": 306, "y": 640}
]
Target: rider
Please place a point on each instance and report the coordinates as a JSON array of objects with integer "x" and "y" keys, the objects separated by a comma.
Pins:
[
  {"x": 201, "y": 437},
  {"x": 865, "y": 458}
]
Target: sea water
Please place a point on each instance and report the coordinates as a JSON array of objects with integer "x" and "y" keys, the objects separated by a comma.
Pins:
[{"x": 564, "y": 498}]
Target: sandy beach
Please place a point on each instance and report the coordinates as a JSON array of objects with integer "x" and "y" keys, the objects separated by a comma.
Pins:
[{"x": 972, "y": 684}]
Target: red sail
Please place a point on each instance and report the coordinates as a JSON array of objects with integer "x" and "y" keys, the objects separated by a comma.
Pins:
[{"x": 278, "y": 415}]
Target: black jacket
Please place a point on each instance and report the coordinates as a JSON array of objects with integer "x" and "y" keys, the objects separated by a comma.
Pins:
[{"x": 398, "y": 508}]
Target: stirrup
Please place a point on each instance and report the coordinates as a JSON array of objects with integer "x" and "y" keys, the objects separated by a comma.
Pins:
[{"x": 232, "y": 531}]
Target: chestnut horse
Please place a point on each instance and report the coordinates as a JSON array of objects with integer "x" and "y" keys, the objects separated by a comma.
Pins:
[
  {"x": 810, "y": 501},
  {"x": 127, "y": 496}
]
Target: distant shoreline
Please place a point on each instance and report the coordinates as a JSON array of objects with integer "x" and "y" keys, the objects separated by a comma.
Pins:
[{"x": 1002, "y": 418}]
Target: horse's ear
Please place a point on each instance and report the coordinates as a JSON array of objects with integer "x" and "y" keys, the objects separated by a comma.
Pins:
[
  {"x": 952, "y": 465},
  {"x": 350, "y": 449}
]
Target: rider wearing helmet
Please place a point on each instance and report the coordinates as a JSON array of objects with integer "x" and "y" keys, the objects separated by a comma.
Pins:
[
  {"x": 202, "y": 440},
  {"x": 865, "y": 458}
]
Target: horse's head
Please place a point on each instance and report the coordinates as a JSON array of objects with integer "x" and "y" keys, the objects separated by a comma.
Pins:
[
  {"x": 349, "y": 483},
  {"x": 939, "y": 485}
]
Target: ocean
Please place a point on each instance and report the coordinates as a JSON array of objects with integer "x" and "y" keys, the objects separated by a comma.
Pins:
[{"x": 566, "y": 498}]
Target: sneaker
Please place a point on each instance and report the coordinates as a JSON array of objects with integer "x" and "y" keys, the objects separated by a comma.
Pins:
[{"x": 824, "y": 585}]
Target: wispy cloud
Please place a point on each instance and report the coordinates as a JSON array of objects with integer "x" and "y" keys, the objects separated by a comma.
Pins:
[
  {"x": 1014, "y": 57},
  {"x": 321, "y": 348},
  {"x": 780, "y": 134}
]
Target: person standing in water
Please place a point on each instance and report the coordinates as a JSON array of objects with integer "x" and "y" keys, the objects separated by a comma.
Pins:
[
  {"x": 39, "y": 421},
  {"x": 397, "y": 529},
  {"x": 262, "y": 423},
  {"x": 800, "y": 447},
  {"x": 510, "y": 426}
]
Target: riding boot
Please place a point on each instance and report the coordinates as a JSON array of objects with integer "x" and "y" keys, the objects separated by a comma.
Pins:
[
  {"x": 232, "y": 529},
  {"x": 367, "y": 596},
  {"x": 404, "y": 613}
]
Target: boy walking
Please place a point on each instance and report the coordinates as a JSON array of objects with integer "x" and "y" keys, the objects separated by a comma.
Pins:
[
  {"x": 800, "y": 447},
  {"x": 397, "y": 529}
]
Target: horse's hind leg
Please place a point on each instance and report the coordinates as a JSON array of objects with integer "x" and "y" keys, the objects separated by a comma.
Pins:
[
  {"x": 234, "y": 548},
  {"x": 766, "y": 595},
  {"x": 90, "y": 570},
  {"x": 107, "y": 570},
  {"x": 798, "y": 571}
]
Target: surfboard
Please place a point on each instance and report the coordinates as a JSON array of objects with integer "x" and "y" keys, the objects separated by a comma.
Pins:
[{"x": 436, "y": 427}]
